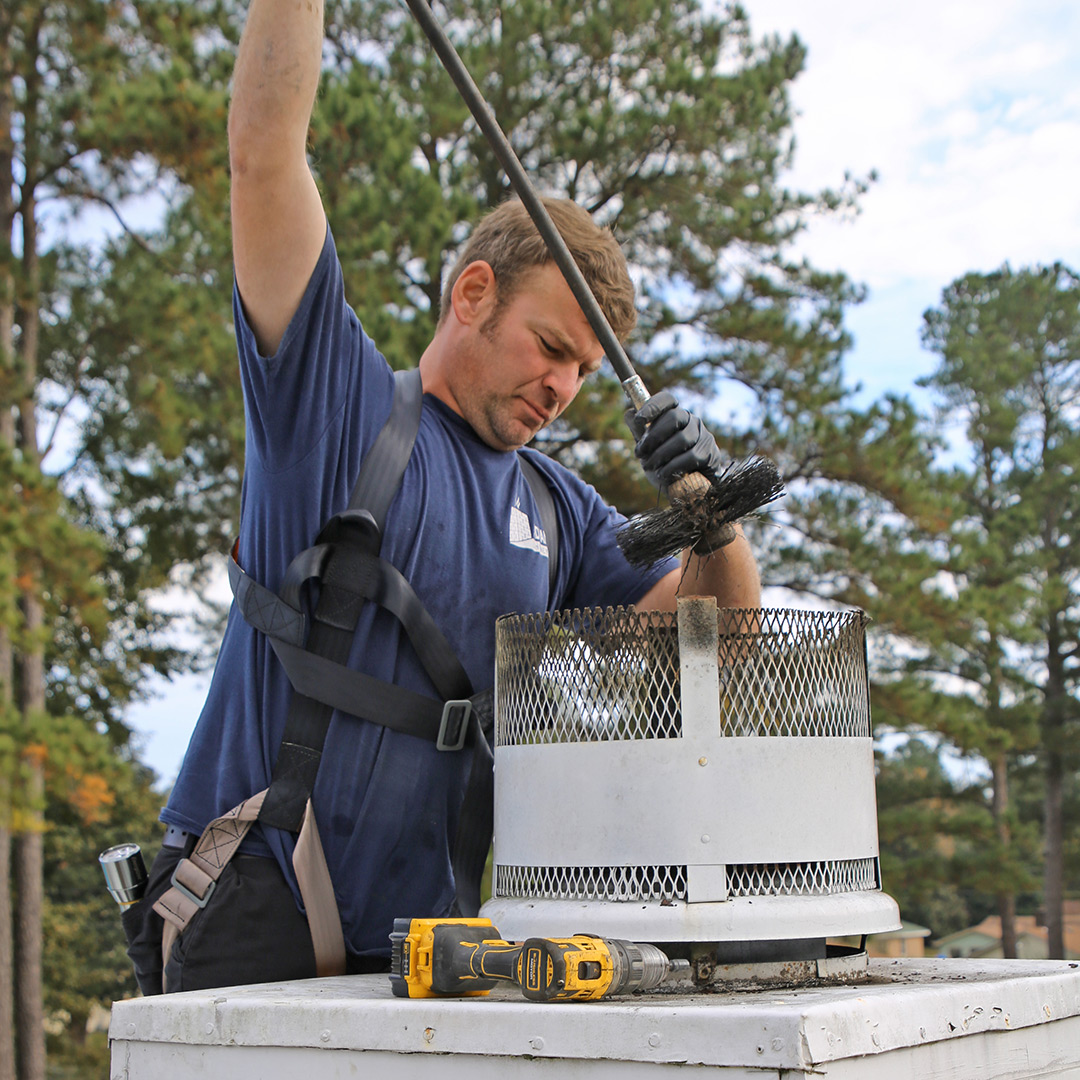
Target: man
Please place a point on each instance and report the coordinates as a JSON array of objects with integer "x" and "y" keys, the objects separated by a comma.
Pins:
[{"x": 509, "y": 354}]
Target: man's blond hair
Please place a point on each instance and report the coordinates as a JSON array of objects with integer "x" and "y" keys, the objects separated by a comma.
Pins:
[{"x": 507, "y": 240}]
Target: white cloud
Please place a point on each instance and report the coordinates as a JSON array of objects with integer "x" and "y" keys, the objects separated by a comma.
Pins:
[{"x": 970, "y": 113}]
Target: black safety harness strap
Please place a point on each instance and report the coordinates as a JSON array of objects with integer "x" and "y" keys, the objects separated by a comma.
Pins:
[
  {"x": 362, "y": 695},
  {"x": 345, "y": 562},
  {"x": 546, "y": 505},
  {"x": 357, "y": 531}
]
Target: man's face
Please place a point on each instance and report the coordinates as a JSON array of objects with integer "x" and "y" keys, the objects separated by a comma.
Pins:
[{"x": 525, "y": 362}]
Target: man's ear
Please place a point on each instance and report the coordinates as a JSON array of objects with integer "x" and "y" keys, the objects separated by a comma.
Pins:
[{"x": 473, "y": 294}]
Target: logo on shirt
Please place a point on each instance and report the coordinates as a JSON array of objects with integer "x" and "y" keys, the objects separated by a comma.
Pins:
[{"x": 523, "y": 534}]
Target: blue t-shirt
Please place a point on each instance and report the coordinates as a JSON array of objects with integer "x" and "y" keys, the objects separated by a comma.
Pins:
[{"x": 461, "y": 530}]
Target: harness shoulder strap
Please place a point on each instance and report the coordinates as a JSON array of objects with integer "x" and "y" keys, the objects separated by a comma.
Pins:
[
  {"x": 384, "y": 464},
  {"x": 545, "y": 503}
]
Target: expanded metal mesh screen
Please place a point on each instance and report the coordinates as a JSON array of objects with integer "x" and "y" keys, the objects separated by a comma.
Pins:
[
  {"x": 669, "y": 882},
  {"x": 591, "y": 882},
  {"x": 604, "y": 674},
  {"x": 587, "y": 675},
  {"x": 802, "y": 879}
]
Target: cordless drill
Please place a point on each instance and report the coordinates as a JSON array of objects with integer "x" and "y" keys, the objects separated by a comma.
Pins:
[{"x": 466, "y": 958}]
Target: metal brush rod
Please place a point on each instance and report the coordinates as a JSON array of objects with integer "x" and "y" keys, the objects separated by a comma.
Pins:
[{"x": 631, "y": 382}]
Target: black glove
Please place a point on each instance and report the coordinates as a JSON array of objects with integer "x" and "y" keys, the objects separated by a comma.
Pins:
[{"x": 671, "y": 441}]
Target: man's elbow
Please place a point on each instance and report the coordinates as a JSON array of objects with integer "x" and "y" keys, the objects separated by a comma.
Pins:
[{"x": 253, "y": 156}]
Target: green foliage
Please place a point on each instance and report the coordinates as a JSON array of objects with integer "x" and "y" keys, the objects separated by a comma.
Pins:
[
  {"x": 101, "y": 102},
  {"x": 1029, "y": 796},
  {"x": 1009, "y": 371},
  {"x": 1009, "y": 344},
  {"x": 97, "y": 117},
  {"x": 136, "y": 341},
  {"x": 94, "y": 796},
  {"x": 670, "y": 123},
  {"x": 979, "y": 579},
  {"x": 100, "y": 801},
  {"x": 940, "y": 854}
]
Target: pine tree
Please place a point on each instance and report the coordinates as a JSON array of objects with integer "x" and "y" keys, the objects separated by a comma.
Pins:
[
  {"x": 87, "y": 89},
  {"x": 670, "y": 123},
  {"x": 1009, "y": 348}
]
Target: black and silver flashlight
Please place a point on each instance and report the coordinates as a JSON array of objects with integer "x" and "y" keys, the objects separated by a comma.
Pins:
[{"x": 125, "y": 873}]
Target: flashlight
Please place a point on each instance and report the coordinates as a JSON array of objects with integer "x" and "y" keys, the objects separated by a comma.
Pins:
[{"x": 125, "y": 873}]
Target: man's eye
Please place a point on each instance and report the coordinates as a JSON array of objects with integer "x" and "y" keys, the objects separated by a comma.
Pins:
[{"x": 547, "y": 346}]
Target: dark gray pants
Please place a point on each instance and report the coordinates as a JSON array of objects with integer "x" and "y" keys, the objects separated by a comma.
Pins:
[{"x": 249, "y": 932}]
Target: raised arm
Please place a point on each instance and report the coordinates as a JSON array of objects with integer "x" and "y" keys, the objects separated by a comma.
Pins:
[{"x": 278, "y": 223}]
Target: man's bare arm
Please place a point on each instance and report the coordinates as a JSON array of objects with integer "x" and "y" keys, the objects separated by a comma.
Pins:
[
  {"x": 729, "y": 574},
  {"x": 278, "y": 223}
]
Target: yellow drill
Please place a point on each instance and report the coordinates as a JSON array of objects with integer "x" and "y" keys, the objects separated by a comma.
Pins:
[{"x": 466, "y": 958}]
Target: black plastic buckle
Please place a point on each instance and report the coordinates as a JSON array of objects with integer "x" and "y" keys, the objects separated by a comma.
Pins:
[
  {"x": 454, "y": 725},
  {"x": 357, "y": 525}
]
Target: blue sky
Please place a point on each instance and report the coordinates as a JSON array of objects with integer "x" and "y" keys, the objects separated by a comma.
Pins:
[{"x": 970, "y": 114}]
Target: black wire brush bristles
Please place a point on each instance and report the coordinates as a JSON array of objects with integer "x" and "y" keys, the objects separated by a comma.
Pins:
[{"x": 738, "y": 491}]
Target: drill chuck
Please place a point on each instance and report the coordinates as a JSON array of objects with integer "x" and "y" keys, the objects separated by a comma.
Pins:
[{"x": 637, "y": 966}]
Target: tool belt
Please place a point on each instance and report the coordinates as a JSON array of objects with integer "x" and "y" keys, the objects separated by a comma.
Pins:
[{"x": 345, "y": 562}]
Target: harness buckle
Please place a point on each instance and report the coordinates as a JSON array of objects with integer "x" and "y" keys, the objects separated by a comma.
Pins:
[
  {"x": 180, "y": 887},
  {"x": 454, "y": 725},
  {"x": 359, "y": 525}
]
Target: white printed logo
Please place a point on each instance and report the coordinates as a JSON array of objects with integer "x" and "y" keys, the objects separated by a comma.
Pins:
[{"x": 525, "y": 535}]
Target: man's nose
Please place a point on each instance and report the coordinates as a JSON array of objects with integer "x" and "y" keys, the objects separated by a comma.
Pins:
[{"x": 562, "y": 381}]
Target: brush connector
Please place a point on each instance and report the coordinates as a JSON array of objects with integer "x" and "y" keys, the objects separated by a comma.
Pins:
[{"x": 714, "y": 541}]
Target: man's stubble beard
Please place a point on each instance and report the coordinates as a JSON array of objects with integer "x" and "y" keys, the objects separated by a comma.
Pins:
[{"x": 497, "y": 409}]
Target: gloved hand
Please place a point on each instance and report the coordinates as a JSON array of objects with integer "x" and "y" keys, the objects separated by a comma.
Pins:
[{"x": 671, "y": 441}]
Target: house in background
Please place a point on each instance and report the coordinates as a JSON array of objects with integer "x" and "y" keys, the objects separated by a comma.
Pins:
[
  {"x": 909, "y": 940},
  {"x": 984, "y": 940}
]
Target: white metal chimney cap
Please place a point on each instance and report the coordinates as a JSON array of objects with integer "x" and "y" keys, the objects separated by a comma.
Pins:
[{"x": 705, "y": 776}]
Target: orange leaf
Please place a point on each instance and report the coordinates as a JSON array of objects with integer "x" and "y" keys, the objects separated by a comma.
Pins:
[
  {"x": 91, "y": 798},
  {"x": 36, "y": 754}
]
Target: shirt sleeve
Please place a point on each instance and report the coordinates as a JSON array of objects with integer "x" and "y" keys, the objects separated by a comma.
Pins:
[{"x": 324, "y": 361}]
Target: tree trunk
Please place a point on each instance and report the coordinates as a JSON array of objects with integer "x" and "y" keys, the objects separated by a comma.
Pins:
[
  {"x": 1006, "y": 900},
  {"x": 30, "y": 861},
  {"x": 1053, "y": 804},
  {"x": 1053, "y": 873},
  {"x": 7, "y": 942},
  {"x": 1056, "y": 702},
  {"x": 29, "y": 864},
  {"x": 7, "y": 443},
  {"x": 30, "y": 843},
  {"x": 7, "y": 1000}
]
